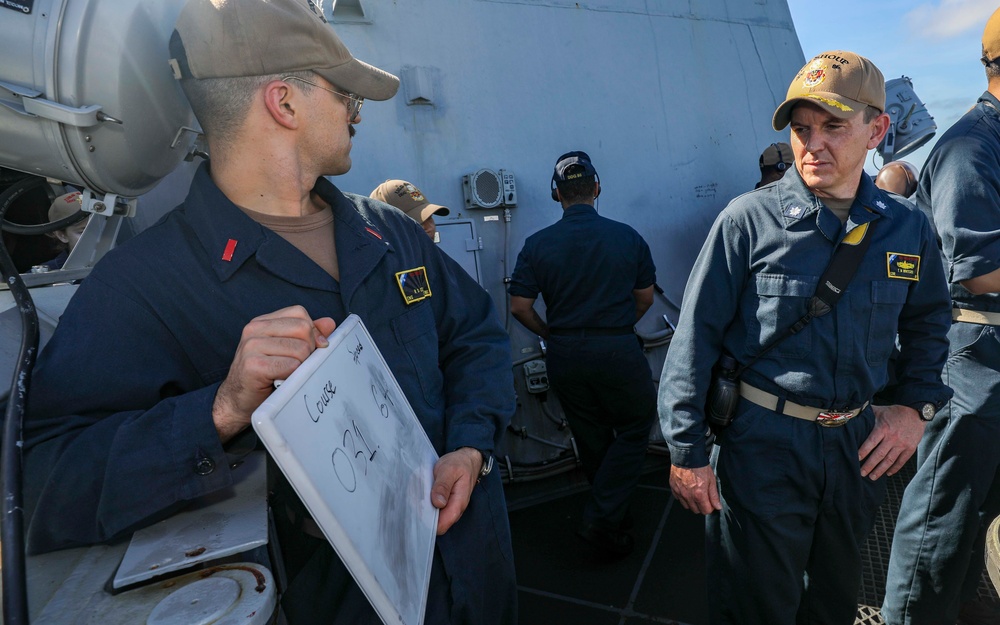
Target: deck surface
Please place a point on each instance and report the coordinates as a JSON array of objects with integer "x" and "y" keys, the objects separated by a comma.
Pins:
[{"x": 662, "y": 581}]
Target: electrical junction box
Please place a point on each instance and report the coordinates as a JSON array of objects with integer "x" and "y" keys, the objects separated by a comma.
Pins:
[
  {"x": 509, "y": 189},
  {"x": 536, "y": 376}
]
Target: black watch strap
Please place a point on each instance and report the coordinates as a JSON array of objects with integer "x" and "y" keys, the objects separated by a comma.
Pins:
[{"x": 487, "y": 465}]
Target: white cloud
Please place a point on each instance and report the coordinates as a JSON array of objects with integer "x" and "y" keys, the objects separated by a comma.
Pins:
[{"x": 950, "y": 18}]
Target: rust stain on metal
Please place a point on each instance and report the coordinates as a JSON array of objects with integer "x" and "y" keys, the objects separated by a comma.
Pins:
[
  {"x": 194, "y": 552},
  {"x": 210, "y": 572},
  {"x": 261, "y": 580}
]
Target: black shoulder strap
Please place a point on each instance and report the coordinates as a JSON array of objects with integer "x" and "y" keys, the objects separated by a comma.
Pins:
[{"x": 832, "y": 284}]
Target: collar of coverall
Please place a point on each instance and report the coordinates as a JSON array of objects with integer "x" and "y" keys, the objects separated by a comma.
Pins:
[{"x": 797, "y": 202}]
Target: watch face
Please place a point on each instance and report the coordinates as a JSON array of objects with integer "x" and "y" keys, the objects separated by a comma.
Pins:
[{"x": 927, "y": 411}]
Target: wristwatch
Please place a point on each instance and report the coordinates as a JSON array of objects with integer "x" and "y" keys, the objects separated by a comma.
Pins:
[
  {"x": 925, "y": 409},
  {"x": 487, "y": 465}
]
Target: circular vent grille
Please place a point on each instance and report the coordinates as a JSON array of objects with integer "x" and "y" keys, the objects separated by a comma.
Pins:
[{"x": 486, "y": 188}]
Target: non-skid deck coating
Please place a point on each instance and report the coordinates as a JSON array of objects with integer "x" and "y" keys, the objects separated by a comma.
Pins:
[{"x": 663, "y": 580}]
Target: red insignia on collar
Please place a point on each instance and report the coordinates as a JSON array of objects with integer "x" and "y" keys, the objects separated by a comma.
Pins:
[
  {"x": 374, "y": 233},
  {"x": 230, "y": 248}
]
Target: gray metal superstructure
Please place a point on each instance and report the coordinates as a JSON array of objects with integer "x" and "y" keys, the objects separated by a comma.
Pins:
[{"x": 672, "y": 100}]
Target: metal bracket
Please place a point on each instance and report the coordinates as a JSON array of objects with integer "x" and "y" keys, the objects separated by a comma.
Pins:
[
  {"x": 34, "y": 106},
  {"x": 180, "y": 132},
  {"x": 195, "y": 150},
  {"x": 111, "y": 204}
]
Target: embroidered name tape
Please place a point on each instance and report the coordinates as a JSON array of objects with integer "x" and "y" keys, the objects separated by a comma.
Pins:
[
  {"x": 903, "y": 266},
  {"x": 413, "y": 284}
]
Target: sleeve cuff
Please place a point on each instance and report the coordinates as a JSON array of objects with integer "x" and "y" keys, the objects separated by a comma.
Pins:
[
  {"x": 240, "y": 446},
  {"x": 688, "y": 456},
  {"x": 521, "y": 291},
  {"x": 202, "y": 455},
  {"x": 909, "y": 395},
  {"x": 471, "y": 435},
  {"x": 972, "y": 267}
]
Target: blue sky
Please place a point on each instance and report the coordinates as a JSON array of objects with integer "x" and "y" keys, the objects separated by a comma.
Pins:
[{"x": 936, "y": 43}]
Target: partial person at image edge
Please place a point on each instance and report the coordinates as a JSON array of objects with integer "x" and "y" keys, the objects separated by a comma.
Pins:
[{"x": 938, "y": 548}]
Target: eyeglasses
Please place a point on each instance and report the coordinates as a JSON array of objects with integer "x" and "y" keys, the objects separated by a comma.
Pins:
[{"x": 355, "y": 101}]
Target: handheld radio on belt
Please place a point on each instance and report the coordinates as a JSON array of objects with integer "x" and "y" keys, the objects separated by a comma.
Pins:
[{"x": 724, "y": 392}]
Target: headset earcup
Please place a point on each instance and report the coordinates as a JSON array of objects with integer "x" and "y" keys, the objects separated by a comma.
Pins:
[
  {"x": 555, "y": 194},
  {"x": 781, "y": 165}
]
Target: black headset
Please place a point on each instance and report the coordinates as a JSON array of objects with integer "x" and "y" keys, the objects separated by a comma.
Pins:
[
  {"x": 781, "y": 165},
  {"x": 582, "y": 159}
]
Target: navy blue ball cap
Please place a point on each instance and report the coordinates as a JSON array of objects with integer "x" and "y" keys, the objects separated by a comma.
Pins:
[{"x": 573, "y": 158}]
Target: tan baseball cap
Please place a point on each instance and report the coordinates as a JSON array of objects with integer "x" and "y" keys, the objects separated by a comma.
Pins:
[
  {"x": 840, "y": 82},
  {"x": 65, "y": 205},
  {"x": 235, "y": 38},
  {"x": 991, "y": 38},
  {"x": 776, "y": 153},
  {"x": 409, "y": 199}
]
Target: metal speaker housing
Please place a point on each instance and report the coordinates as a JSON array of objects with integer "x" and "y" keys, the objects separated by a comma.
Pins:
[{"x": 482, "y": 189}]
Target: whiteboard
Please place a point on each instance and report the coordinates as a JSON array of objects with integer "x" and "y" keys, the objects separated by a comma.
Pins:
[{"x": 344, "y": 435}]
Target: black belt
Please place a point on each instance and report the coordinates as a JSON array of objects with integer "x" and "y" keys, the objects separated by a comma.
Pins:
[{"x": 620, "y": 331}]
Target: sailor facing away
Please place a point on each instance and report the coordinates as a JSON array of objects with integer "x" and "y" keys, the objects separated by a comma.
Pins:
[{"x": 596, "y": 276}]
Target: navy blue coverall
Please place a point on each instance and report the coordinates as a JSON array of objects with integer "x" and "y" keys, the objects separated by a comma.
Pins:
[
  {"x": 938, "y": 548},
  {"x": 586, "y": 266},
  {"x": 120, "y": 433},
  {"x": 796, "y": 510}
]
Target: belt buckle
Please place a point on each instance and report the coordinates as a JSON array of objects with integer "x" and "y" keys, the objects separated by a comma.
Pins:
[{"x": 833, "y": 419}]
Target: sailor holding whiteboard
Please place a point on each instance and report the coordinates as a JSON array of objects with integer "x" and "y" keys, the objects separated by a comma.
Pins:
[{"x": 146, "y": 389}]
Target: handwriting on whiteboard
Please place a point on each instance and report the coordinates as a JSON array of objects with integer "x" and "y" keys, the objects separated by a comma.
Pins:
[{"x": 357, "y": 450}]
